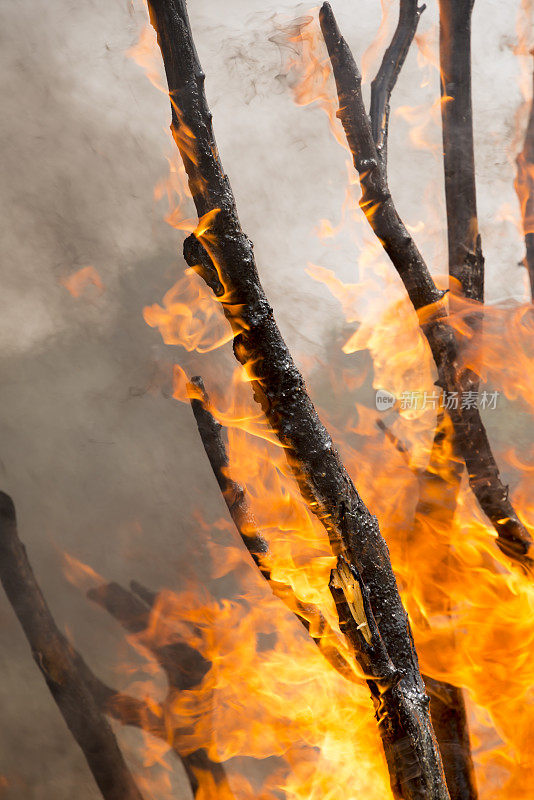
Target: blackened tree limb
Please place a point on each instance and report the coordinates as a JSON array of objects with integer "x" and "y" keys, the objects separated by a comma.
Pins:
[
  {"x": 210, "y": 432},
  {"x": 309, "y": 616},
  {"x": 376, "y": 202},
  {"x": 438, "y": 486},
  {"x": 437, "y": 496},
  {"x": 386, "y": 77},
  {"x": 466, "y": 263},
  {"x": 59, "y": 664},
  {"x": 223, "y": 256},
  {"x": 440, "y": 483},
  {"x": 524, "y": 185},
  {"x": 449, "y": 718}
]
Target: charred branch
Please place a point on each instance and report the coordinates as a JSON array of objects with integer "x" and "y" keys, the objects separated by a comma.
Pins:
[
  {"x": 449, "y": 717},
  {"x": 357, "y": 613},
  {"x": 525, "y": 191},
  {"x": 438, "y": 487},
  {"x": 466, "y": 263},
  {"x": 61, "y": 667},
  {"x": 223, "y": 256},
  {"x": 437, "y": 496},
  {"x": 234, "y": 495},
  {"x": 386, "y": 77},
  {"x": 376, "y": 202}
]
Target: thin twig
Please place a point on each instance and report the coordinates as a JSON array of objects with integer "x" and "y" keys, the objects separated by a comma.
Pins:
[
  {"x": 438, "y": 492},
  {"x": 484, "y": 477},
  {"x": 309, "y": 616},
  {"x": 60, "y": 665},
  {"x": 466, "y": 262},
  {"x": 437, "y": 501},
  {"x": 386, "y": 77},
  {"x": 223, "y": 256}
]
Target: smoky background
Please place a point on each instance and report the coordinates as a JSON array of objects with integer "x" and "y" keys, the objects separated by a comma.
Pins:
[{"x": 100, "y": 461}]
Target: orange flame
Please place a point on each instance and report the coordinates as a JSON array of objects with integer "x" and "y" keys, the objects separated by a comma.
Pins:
[
  {"x": 78, "y": 282},
  {"x": 268, "y": 693}
]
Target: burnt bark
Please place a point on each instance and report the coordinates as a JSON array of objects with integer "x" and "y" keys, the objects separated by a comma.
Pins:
[
  {"x": 466, "y": 262},
  {"x": 62, "y": 668},
  {"x": 376, "y": 202},
  {"x": 525, "y": 190},
  {"x": 223, "y": 256},
  {"x": 449, "y": 717},
  {"x": 438, "y": 492},
  {"x": 386, "y": 77},
  {"x": 439, "y": 485}
]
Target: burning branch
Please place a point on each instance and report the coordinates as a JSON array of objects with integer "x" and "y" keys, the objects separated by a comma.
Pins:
[
  {"x": 62, "y": 668},
  {"x": 466, "y": 268},
  {"x": 386, "y": 77},
  {"x": 447, "y": 704},
  {"x": 184, "y": 667},
  {"x": 223, "y": 256},
  {"x": 524, "y": 185},
  {"x": 309, "y": 616},
  {"x": 376, "y": 202}
]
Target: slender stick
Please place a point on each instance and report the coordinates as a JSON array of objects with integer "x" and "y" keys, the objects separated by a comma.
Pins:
[
  {"x": 437, "y": 499},
  {"x": 466, "y": 263},
  {"x": 223, "y": 256},
  {"x": 59, "y": 665},
  {"x": 524, "y": 185},
  {"x": 466, "y": 268},
  {"x": 449, "y": 718},
  {"x": 484, "y": 477},
  {"x": 309, "y": 616},
  {"x": 386, "y": 77}
]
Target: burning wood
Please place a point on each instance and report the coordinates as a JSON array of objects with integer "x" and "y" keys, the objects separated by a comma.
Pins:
[
  {"x": 484, "y": 477},
  {"x": 353, "y": 613},
  {"x": 223, "y": 256}
]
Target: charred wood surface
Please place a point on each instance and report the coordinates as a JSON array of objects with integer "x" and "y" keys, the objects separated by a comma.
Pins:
[
  {"x": 386, "y": 77},
  {"x": 61, "y": 667},
  {"x": 440, "y": 483},
  {"x": 223, "y": 256},
  {"x": 376, "y": 202},
  {"x": 234, "y": 495},
  {"x": 449, "y": 717},
  {"x": 466, "y": 262}
]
